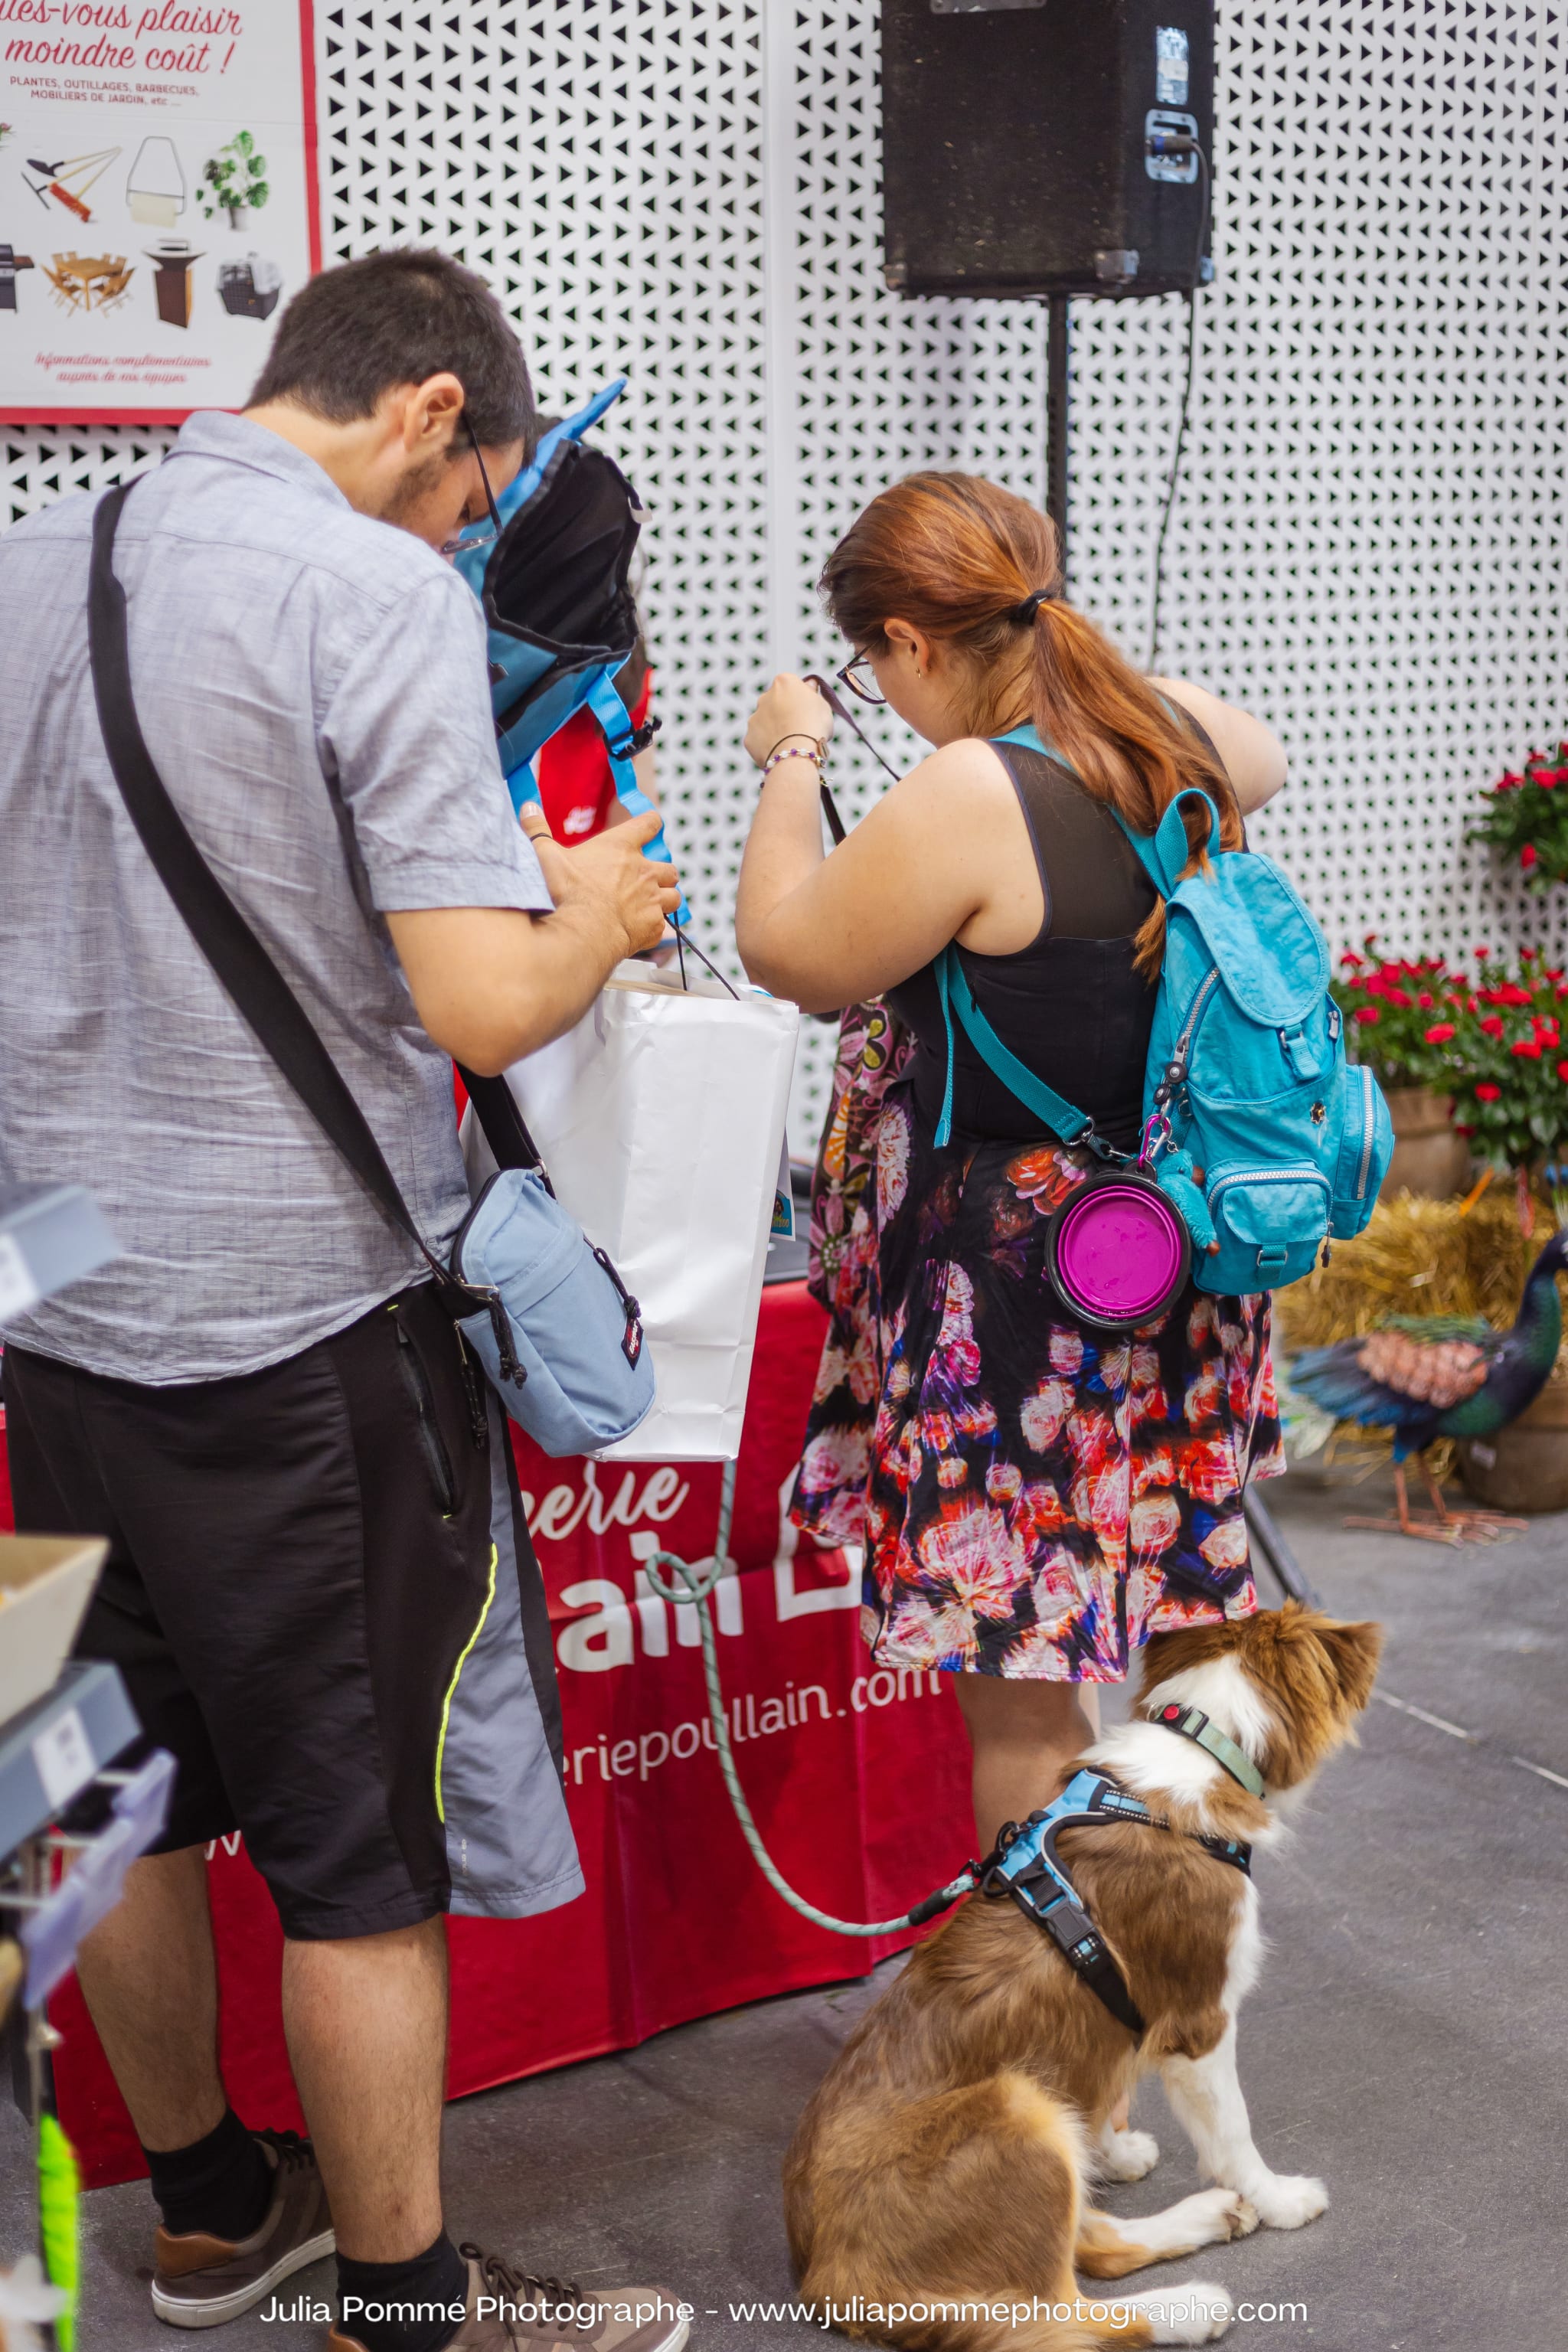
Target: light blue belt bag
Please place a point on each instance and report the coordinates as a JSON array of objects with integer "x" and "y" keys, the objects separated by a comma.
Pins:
[{"x": 560, "y": 1335}]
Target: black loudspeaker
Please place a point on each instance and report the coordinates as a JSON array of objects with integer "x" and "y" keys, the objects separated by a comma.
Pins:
[{"x": 1045, "y": 146}]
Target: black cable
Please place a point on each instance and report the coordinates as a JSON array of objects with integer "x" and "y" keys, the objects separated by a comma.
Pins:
[{"x": 1176, "y": 453}]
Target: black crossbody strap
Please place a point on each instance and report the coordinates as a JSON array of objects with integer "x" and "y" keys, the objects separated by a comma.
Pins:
[
  {"x": 248, "y": 972},
  {"x": 495, "y": 1108}
]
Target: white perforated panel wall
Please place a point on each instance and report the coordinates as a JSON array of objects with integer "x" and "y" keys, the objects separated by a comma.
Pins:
[{"x": 1369, "y": 545}]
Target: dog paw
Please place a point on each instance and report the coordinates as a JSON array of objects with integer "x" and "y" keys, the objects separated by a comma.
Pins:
[
  {"x": 1288, "y": 2200},
  {"x": 1235, "y": 2215},
  {"x": 1193, "y": 2313},
  {"x": 1128, "y": 2155}
]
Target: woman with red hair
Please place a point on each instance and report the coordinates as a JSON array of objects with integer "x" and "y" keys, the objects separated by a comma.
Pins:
[{"x": 1036, "y": 1497}]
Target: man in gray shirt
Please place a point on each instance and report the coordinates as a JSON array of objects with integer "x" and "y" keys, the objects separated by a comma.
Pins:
[{"x": 260, "y": 1402}]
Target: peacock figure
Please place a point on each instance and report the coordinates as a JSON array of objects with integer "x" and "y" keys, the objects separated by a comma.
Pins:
[{"x": 1427, "y": 1377}]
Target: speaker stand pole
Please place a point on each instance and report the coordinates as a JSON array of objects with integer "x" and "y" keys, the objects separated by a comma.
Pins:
[{"x": 1057, "y": 419}]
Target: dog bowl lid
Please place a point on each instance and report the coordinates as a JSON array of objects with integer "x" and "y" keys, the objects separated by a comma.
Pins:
[{"x": 1119, "y": 1250}]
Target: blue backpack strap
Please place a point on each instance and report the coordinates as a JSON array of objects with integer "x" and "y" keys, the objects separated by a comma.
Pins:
[
  {"x": 615, "y": 721},
  {"x": 1164, "y": 854},
  {"x": 953, "y": 988}
]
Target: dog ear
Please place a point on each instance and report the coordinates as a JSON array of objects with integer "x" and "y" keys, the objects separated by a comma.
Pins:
[{"x": 1354, "y": 1652}]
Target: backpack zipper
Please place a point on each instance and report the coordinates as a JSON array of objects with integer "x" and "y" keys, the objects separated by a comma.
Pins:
[
  {"x": 1176, "y": 1075},
  {"x": 1301, "y": 1170},
  {"x": 1196, "y": 1015},
  {"x": 1367, "y": 1125}
]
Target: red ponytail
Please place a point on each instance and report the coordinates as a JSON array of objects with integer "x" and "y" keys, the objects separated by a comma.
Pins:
[{"x": 956, "y": 556}]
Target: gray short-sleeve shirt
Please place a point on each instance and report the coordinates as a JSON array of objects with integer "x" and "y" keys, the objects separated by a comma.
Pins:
[{"x": 312, "y": 686}]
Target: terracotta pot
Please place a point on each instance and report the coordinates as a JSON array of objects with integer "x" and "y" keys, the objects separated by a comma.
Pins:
[
  {"x": 1525, "y": 1466},
  {"x": 1429, "y": 1158}
]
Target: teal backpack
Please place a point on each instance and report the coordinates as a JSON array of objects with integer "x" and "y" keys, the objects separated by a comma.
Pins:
[{"x": 1265, "y": 1138}]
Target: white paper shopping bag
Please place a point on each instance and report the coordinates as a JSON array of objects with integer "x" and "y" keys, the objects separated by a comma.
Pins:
[{"x": 660, "y": 1118}]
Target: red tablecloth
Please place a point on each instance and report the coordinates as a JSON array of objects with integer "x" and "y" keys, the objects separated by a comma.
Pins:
[{"x": 858, "y": 1782}]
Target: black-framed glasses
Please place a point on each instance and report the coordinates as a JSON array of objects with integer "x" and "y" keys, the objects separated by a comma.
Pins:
[
  {"x": 860, "y": 679},
  {"x": 476, "y": 534}
]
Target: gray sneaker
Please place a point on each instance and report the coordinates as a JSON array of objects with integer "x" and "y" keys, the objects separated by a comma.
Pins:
[
  {"x": 200, "y": 2281},
  {"x": 510, "y": 2310}
]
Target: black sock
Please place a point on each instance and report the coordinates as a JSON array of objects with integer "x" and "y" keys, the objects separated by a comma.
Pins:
[
  {"x": 222, "y": 2184},
  {"x": 439, "y": 2277}
]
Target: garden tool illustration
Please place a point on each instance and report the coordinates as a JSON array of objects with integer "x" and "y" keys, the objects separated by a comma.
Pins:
[{"x": 68, "y": 180}]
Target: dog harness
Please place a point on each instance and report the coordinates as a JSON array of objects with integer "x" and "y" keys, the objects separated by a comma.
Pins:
[{"x": 1025, "y": 1865}]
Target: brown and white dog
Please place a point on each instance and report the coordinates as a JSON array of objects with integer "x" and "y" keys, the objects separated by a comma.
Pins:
[{"x": 948, "y": 2157}]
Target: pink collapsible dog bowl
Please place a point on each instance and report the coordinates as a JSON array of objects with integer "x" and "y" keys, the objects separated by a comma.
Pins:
[{"x": 1117, "y": 1251}]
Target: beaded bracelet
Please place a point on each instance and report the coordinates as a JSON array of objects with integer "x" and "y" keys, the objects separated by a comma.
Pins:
[{"x": 791, "y": 752}]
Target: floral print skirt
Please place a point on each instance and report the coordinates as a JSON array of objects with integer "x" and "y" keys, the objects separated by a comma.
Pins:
[{"x": 1033, "y": 1498}]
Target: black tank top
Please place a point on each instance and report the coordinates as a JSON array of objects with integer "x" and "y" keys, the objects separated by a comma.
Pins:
[{"x": 1070, "y": 1004}]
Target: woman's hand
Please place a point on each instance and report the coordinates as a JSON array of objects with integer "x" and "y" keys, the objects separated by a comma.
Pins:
[{"x": 789, "y": 709}]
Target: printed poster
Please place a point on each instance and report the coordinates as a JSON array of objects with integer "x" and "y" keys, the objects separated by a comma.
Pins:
[{"x": 157, "y": 202}]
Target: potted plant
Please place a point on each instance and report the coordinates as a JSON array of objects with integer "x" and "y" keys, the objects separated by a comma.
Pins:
[
  {"x": 1503, "y": 1046},
  {"x": 1526, "y": 818},
  {"x": 1389, "y": 1005},
  {"x": 1500, "y": 1043},
  {"x": 233, "y": 181}
]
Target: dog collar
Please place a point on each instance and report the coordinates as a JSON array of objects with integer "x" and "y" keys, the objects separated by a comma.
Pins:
[{"x": 1194, "y": 1724}]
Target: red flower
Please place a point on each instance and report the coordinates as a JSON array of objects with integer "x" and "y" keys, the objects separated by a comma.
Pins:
[
  {"x": 1351, "y": 957},
  {"x": 1492, "y": 1024},
  {"x": 1486, "y": 1092},
  {"x": 1397, "y": 996},
  {"x": 1528, "y": 1049},
  {"x": 1527, "y": 855},
  {"x": 1368, "y": 1012},
  {"x": 1463, "y": 1130},
  {"x": 1481, "y": 952},
  {"x": 1424, "y": 999},
  {"x": 1562, "y": 1072},
  {"x": 1441, "y": 1034}
]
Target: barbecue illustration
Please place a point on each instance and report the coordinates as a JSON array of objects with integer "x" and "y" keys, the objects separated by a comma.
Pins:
[
  {"x": 174, "y": 258},
  {"x": 10, "y": 263}
]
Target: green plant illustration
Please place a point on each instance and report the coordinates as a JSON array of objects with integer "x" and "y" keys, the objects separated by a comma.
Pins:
[{"x": 235, "y": 176}]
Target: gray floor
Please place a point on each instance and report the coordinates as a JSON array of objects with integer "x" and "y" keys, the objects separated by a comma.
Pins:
[{"x": 1406, "y": 2041}]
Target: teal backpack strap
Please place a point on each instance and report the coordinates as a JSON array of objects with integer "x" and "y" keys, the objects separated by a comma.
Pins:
[
  {"x": 953, "y": 987},
  {"x": 615, "y": 721},
  {"x": 1164, "y": 853}
]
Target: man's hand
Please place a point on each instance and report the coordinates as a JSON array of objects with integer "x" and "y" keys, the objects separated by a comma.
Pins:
[
  {"x": 491, "y": 986},
  {"x": 609, "y": 875}
]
